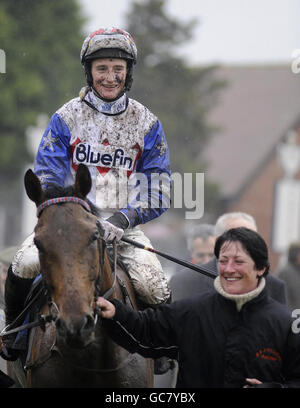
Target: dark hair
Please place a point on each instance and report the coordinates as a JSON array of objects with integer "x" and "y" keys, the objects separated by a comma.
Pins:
[{"x": 251, "y": 241}]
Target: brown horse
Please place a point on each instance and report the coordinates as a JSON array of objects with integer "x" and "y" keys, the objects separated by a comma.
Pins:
[{"x": 75, "y": 350}]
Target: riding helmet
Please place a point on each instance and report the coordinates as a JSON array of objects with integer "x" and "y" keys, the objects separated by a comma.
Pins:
[{"x": 109, "y": 43}]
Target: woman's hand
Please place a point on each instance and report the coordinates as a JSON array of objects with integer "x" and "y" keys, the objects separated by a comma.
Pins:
[
  {"x": 108, "y": 310},
  {"x": 251, "y": 381}
]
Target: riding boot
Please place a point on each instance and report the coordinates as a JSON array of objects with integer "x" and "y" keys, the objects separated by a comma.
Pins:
[
  {"x": 16, "y": 291},
  {"x": 161, "y": 364}
]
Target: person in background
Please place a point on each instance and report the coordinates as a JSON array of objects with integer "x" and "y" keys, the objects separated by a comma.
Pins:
[
  {"x": 235, "y": 336},
  {"x": 290, "y": 274},
  {"x": 200, "y": 244}
]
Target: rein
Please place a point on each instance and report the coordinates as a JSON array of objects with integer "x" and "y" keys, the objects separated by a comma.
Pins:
[
  {"x": 110, "y": 291},
  {"x": 42, "y": 319}
]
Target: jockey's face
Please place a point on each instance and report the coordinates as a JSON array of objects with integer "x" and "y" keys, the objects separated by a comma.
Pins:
[{"x": 109, "y": 75}]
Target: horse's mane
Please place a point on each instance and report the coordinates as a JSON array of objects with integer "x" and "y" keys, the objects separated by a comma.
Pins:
[{"x": 56, "y": 191}]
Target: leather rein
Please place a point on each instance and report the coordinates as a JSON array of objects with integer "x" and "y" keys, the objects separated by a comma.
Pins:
[{"x": 43, "y": 319}]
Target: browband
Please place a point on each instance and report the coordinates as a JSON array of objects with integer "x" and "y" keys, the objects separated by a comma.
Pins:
[{"x": 60, "y": 200}]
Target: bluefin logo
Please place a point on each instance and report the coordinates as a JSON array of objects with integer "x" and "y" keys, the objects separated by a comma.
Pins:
[{"x": 84, "y": 153}]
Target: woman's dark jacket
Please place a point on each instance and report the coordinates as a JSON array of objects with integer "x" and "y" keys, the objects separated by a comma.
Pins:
[{"x": 215, "y": 345}]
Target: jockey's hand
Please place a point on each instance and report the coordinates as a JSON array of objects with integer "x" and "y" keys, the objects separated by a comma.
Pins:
[
  {"x": 109, "y": 231},
  {"x": 108, "y": 310},
  {"x": 113, "y": 227}
]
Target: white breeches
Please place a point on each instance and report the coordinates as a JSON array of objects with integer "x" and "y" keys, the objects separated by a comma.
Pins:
[{"x": 144, "y": 268}]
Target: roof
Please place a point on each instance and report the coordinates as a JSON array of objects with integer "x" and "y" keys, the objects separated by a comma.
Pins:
[{"x": 255, "y": 110}]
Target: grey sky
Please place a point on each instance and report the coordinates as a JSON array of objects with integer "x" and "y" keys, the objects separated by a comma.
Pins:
[{"x": 230, "y": 31}]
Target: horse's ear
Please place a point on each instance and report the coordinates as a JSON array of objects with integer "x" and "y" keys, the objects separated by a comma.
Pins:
[
  {"x": 83, "y": 181},
  {"x": 33, "y": 187}
]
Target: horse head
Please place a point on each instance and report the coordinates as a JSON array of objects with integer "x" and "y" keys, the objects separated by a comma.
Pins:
[{"x": 67, "y": 238}]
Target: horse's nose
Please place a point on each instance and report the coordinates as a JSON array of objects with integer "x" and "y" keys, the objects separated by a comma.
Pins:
[{"x": 75, "y": 331}]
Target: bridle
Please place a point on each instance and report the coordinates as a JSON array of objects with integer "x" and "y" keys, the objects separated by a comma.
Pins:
[
  {"x": 110, "y": 291},
  {"x": 43, "y": 319}
]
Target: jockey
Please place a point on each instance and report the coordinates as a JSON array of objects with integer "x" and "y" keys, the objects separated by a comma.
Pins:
[{"x": 123, "y": 144}]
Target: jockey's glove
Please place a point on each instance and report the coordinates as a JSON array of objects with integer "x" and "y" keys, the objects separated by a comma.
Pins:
[{"x": 113, "y": 228}]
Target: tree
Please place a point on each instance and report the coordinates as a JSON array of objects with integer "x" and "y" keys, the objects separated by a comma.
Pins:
[
  {"x": 179, "y": 94},
  {"x": 41, "y": 40}
]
